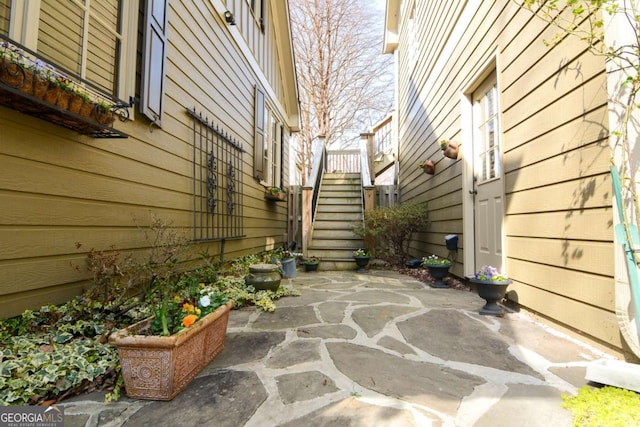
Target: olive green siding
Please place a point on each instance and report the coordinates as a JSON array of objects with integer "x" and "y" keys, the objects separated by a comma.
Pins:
[
  {"x": 58, "y": 188},
  {"x": 553, "y": 115}
]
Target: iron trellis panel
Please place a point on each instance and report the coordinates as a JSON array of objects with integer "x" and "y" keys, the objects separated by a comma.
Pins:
[{"x": 217, "y": 182}]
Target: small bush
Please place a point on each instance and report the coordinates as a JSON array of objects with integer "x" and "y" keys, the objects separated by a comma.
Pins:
[
  {"x": 603, "y": 407},
  {"x": 391, "y": 229}
]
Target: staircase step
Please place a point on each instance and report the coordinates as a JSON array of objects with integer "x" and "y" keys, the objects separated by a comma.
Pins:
[
  {"x": 339, "y": 194},
  {"x": 338, "y": 201},
  {"x": 331, "y": 208},
  {"x": 339, "y": 216},
  {"x": 333, "y": 253},
  {"x": 333, "y": 233},
  {"x": 331, "y": 187},
  {"x": 335, "y": 224},
  {"x": 349, "y": 245}
]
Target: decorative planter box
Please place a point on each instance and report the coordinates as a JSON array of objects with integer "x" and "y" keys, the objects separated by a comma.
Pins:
[
  {"x": 157, "y": 367},
  {"x": 275, "y": 197}
]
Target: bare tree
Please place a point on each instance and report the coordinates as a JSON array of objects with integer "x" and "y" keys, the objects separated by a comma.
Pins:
[{"x": 345, "y": 82}]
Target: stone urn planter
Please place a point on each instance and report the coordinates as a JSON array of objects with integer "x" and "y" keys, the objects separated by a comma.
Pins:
[
  {"x": 264, "y": 277},
  {"x": 491, "y": 291},
  {"x": 438, "y": 272},
  {"x": 160, "y": 367},
  {"x": 362, "y": 261}
]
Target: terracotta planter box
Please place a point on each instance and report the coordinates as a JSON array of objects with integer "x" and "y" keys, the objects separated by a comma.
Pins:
[{"x": 158, "y": 368}]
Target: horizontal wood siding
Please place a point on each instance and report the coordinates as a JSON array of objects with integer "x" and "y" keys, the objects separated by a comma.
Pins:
[
  {"x": 553, "y": 103},
  {"x": 58, "y": 188}
]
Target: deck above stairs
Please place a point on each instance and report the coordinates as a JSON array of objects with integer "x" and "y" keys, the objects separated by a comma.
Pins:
[{"x": 339, "y": 210}]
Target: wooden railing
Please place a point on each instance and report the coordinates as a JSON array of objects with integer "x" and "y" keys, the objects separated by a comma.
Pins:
[{"x": 343, "y": 161}]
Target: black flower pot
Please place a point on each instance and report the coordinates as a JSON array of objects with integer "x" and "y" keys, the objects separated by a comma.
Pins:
[
  {"x": 439, "y": 272},
  {"x": 311, "y": 267},
  {"x": 361, "y": 262},
  {"x": 491, "y": 292}
]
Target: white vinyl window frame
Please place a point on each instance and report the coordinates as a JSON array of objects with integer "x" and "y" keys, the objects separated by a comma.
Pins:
[
  {"x": 274, "y": 152},
  {"x": 24, "y": 28}
]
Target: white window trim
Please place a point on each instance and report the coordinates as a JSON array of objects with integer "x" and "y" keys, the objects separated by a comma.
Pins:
[{"x": 24, "y": 25}]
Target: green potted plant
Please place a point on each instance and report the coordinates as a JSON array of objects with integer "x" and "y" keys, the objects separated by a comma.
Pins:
[
  {"x": 491, "y": 285},
  {"x": 311, "y": 263},
  {"x": 361, "y": 258},
  {"x": 438, "y": 269}
]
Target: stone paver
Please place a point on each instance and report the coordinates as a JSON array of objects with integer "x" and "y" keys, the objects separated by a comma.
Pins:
[{"x": 368, "y": 349}]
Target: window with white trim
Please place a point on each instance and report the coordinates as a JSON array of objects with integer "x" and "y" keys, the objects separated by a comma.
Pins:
[
  {"x": 95, "y": 39},
  {"x": 267, "y": 143}
]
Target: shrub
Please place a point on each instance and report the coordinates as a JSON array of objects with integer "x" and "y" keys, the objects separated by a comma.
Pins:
[{"x": 391, "y": 229}]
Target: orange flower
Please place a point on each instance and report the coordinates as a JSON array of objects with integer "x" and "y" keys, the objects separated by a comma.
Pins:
[{"x": 189, "y": 320}]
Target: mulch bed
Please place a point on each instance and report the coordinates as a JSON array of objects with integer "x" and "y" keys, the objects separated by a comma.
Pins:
[{"x": 422, "y": 274}]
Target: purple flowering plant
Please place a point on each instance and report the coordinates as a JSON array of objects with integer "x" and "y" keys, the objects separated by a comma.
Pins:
[{"x": 491, "y": 274}]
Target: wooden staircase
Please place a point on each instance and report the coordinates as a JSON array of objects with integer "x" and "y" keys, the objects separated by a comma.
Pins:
[{"x": 339, "y": 210}]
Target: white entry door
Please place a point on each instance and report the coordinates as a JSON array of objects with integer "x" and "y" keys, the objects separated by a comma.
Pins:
[{"x": 487, "y": 175}]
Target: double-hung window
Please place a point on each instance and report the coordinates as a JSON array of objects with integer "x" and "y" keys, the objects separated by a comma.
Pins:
[
  {"x": 268, "y": 143},
  {"x": 95, "y": 39}
]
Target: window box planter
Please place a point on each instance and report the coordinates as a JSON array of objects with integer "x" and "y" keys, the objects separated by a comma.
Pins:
[
  {"x": 32, "y": 87},
  {"x": 274, "y": 194}
]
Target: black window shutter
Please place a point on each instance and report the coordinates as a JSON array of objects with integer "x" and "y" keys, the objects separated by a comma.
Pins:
[{"x": 154, "y": 60}]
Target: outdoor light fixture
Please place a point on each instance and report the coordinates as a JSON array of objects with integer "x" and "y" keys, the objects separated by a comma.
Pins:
[{"x": 228, "y": 16}]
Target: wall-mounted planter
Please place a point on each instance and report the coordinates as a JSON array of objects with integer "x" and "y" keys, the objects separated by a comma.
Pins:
[
  {"x": 275, "y": 195},
  {"x": 450, "y": 149},
  {"x": 429, "y": 167}
]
